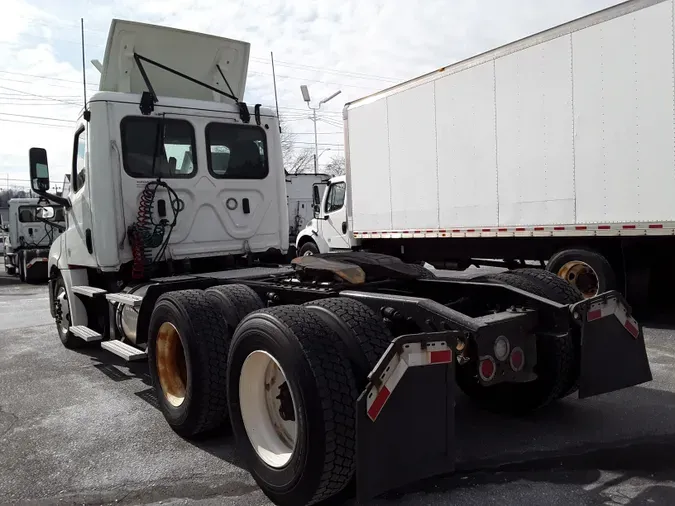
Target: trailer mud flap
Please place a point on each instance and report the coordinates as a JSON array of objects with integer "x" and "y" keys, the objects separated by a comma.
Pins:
[
  {"x": 613, "y": 353},
  {"x": 405, "y": 422}
]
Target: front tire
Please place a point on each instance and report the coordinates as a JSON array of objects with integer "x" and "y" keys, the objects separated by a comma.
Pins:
[
  {"x": 309, "y": 248},
  {"x": 22, "y": 268},
  {"x": 299, "y": 440},
  {"x": 187, "y": 355},
  {"x": 63, "y": 317}
]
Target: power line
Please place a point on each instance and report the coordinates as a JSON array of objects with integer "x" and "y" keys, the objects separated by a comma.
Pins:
[
  {"x": 35, "y": 95},
  {"x": 44, "y": 77},
  {"x": 35, "y": 117},
  {"x": 34, "y": 123}
]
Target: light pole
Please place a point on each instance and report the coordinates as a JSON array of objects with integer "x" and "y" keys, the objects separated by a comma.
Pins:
[{"x": 306, "y": 98}]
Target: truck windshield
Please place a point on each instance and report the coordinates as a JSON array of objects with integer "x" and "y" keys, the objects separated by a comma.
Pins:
[
  {"x": 155, "y": 147},
  {"x": 236, "y": 151}
]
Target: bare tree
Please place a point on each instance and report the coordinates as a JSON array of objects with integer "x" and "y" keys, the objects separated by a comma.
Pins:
[
  {"x": 336, "y": 167},
  {"x": 296, "y": 161}
]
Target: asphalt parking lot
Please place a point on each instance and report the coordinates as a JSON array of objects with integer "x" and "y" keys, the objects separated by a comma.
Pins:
[{"x": 82, "y": 428}]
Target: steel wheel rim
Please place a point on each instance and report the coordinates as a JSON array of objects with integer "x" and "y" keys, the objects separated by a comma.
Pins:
[
  {"x": 581, "y": 275},
  {"x": 268, "y": 409},
  {"x": 64, "y": 310},
  {"x": 171, "y": 364},
  {"x": 307, "y": 253}
]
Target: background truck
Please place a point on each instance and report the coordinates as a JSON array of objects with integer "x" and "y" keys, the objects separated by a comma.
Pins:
[
  {"x": 556, "y": 148},
  {"x": 177, "y": 197},
  {"x": 299, "y": 191},
  {"x": 32, "y": 227}
]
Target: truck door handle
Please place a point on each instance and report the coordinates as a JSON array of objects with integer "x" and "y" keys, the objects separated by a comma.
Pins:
[
  {"x": 344, "y": 227},
  {"x": 245, "y": 206}
]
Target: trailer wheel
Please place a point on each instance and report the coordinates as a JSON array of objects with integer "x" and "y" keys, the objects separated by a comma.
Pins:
[
  {"x": 587, "y": 270},
  {"x": 309, "y": 248},
  {"x": 557, "y": 363},
  {"x": 292, "y": 405},
  {"x": 365, "y": 336},
  {"x": 235, "y": 302},
  {"x": 187, "y": 354},
  {"x": 63, "y": 318}
]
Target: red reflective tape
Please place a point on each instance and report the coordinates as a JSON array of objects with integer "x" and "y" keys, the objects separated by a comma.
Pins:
[
  {"x": 594, "y": 315},
  {"x": 634, "y": 331},
  {"x": 631, "y": 227},
  {"x": 558, "y": 228},
  {"x": 520, "y": 229},
  {"x": 378, "y": 403},
  {"x": 456, "y": 230},
  {"x": 603, "y": 227},
  {"x": 502, "y": 229},
  {"x": 656, "y": 225},
  {"x": 486, "y": 230},
  {"x": 581, "y": 227},
  {"x": 430, "y": 231},
  {"x": 471, "y": 230},
  {"x": 440, "y": 357},
  {"x": 539, "y": 229},
  {"x": 442, "y": 231},
  {"x": 417, "y": 232}
]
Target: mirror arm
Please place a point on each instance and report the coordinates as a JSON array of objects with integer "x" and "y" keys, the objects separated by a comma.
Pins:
[{"x": 63, "y": 201}]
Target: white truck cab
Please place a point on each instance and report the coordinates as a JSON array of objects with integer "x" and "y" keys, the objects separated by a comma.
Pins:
[
  {"x": 171, "y": 172},
  {"x": 328, "y": 232}
]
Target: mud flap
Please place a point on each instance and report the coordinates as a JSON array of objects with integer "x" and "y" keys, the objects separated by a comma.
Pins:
[
  {"x": 613, "y": 353},
  {"x": 405, "y": 424}
]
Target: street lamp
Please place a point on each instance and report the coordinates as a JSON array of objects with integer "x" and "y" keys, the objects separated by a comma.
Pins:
[{"x": 306, "y": 98}]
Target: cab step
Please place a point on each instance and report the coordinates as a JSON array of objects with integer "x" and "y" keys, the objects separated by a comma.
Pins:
[
  {"x": 126, "y": 299},
  {"x": 127, "y": 352},
  {"x": 85, "y": 333},
  {"x": 89, "y": 291}
]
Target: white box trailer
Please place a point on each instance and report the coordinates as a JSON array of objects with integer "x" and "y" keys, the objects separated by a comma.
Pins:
[{"x": 562, "y": 141}]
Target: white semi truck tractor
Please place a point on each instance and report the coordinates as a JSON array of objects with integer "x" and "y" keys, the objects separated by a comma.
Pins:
[
  {"x": 557, "y": 149},
  {"x": 32, "y": 227},
  {"x": 176, "y": 210}
]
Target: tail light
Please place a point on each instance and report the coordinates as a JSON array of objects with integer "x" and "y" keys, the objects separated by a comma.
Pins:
[
  {"x": 502, "y": 348},
  {"x": 517, "y": 359},
  {"x": 487, "y": 368}
]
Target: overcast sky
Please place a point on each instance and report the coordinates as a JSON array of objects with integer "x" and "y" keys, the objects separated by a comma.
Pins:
[{"x": 355, "y": 46}]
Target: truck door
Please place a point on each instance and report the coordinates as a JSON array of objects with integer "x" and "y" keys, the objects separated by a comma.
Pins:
[
  {"x": 334, "y": 227},
  {"x": 79, "y": 236}
]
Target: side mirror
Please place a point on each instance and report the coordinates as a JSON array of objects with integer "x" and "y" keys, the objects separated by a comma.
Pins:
[
  {"x": 39, "y": 170},
  {"x": 317, "y": 210}
]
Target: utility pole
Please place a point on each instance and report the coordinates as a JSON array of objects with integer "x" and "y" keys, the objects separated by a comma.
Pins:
[{"x": 306, "y": 98}]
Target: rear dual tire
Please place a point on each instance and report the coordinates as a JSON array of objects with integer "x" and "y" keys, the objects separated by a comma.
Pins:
[
  {"x": 319, "y": 461},
  {"x": 187, "y": 355},
  {"x": 287, "y": 381}
]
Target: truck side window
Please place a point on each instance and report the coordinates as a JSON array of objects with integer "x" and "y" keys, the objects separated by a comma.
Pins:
[
  {"x": 27, "y": 214},
  {"x": 236, "y": 151},
  {"x": 336, "y": 197},
  {"x": 158, "y": 147},
  {"x": 79, "y": 149}
]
